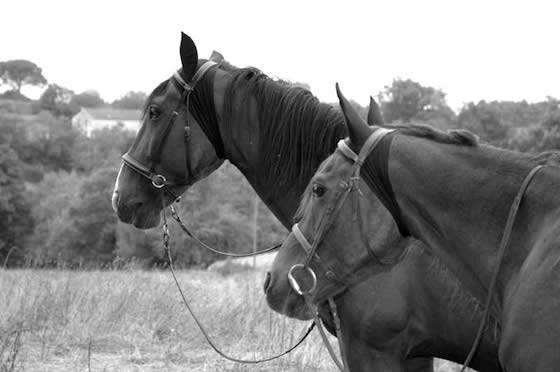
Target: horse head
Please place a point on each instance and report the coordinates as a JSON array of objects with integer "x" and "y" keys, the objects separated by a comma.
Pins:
[
  {"x": 173, "y": 148},
  {"x": 341, "y": 234}
]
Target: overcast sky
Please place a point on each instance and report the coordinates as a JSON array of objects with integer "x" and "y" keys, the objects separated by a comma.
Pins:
[{"x": 472, "y": 50}]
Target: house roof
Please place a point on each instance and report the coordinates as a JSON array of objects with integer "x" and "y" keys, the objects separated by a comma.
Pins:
[{"x": 110, "y": 113}]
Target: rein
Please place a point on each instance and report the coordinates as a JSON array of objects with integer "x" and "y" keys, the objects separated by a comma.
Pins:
[
  {"x": 177, "y": 218},
  {"x": 501, "y": 251},
  {"x": 166, "y": 238}
]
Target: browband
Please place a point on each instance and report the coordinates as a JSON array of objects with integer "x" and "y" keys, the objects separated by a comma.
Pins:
[
  {"x": 197, "y": 76},
  {"x": 368, "y": 146}
]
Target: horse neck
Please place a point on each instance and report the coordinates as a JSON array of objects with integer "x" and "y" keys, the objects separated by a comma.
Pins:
[
  {"x": 243, "y": 139},
  {"x": 461, "y": 208},
  {"x": 446, "y": 314}
]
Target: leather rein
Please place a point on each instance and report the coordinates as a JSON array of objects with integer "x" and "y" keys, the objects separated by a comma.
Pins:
[{"x": 160, "y": 182}]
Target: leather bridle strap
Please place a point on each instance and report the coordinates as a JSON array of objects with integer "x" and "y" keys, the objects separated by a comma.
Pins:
[
  {"x": 301, "y": 239},
  {"x": 500, "y": 257},
  {"x": 342, "y": 366},
  {"x": 159, "y": 180},
  {"x": 185, "y": 229},
  {"x": 332, "y": 210},
  {"x": 166, "y": 237},
  {"x": 197, "y": 76},
  {"x": 358, "y": 160}
]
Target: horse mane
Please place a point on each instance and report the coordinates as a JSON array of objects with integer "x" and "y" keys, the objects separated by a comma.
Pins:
[
  {"x": 296, "y": 131},
  {"x": 550, "y": 157},
  {"x": 460, "y": 137}
]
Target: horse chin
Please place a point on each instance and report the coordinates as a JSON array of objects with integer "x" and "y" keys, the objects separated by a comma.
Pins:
[
  {"x": 146, "y": 220},
  {"x": 291, "y": 305},
  {"x": 298, "y": 310}
]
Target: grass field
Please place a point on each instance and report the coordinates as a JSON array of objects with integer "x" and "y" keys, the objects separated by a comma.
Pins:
[{"x": 132, "y": 320}]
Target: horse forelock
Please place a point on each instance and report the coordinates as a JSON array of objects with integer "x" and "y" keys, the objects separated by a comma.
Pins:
[{"x": 296, "y": 131}]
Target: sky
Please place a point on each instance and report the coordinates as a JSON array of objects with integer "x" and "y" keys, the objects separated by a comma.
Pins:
[{"x": 472, "y": 50}]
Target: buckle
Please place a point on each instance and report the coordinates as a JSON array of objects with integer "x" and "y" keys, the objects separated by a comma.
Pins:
[
  {"x": 158, "y": 181},
  {"x": 295, "y": 285}
]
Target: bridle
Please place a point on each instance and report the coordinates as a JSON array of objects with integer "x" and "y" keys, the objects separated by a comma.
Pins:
[
  {"x": 346, "y": 187},
  {"x": 158, "y": 180}
]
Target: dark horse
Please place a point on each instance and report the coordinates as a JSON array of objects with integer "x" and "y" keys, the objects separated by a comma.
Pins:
[
  {"x": 456, "y": 195},
  {"x": 277, "y": 135}
]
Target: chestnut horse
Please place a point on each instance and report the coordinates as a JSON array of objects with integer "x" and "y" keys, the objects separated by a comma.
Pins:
[
  {"x": 276, "y": 134},
  {"x": 456, "y": 196}
]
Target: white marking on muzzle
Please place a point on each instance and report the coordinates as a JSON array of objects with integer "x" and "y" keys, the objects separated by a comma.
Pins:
[{"x": 115, "y": 195}]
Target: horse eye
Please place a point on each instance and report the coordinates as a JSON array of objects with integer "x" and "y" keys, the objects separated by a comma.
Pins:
[
  {"x": 153, "y": 112},
  {"x": 318, "y": 190}
]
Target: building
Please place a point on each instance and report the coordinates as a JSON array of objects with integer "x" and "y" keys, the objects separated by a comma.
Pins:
[{"x": 90, "y": 119}]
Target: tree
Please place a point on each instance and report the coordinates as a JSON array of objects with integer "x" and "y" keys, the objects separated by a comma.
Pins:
[
  {"x": 551, "y": 139},
  {"x": 51, "y": 200},
  {"x": 131, "y": 100},
  {"x": 104, "y": 145},
  {"x": 484, "y": 119},
  {"x": 15, "y": 211},
  {"x": 407, "y": 100},
  {"x": 58, "y": 100},
  {"x": 53, "y": 140},
  {"x": 92, "y": 234},
  {"x": 82, "y": 229},
  {"x": 19, "y": 72},
  {"x": 89, "y": 98},
  {"x": 537, "y": 138},
  {"x": 14, "y": 134}
]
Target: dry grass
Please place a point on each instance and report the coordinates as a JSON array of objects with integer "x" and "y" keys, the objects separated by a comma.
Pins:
[{"x": 133, "y": 321}]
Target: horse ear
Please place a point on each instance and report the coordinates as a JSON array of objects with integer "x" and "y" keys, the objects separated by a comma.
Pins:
[
  {"x": 374, "y": 113},
  {"x": 189, "y": 57},
  {"x": 358, "y": 130},
  {"x": 216, "y": 57}
]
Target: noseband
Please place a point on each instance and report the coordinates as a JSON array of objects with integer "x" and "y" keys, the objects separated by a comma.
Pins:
[{"x": 158, "y": 180}]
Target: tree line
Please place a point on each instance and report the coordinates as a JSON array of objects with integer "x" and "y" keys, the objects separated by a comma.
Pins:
[{"x": 56, "y": 182}]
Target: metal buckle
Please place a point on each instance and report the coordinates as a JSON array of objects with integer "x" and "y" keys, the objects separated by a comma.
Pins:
[
  {"x": 295, "y": 285},
  {"x": 158, "y": 181}
]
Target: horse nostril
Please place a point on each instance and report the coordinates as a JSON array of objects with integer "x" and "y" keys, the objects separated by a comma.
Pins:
[{"x": 266, "y": 282}]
